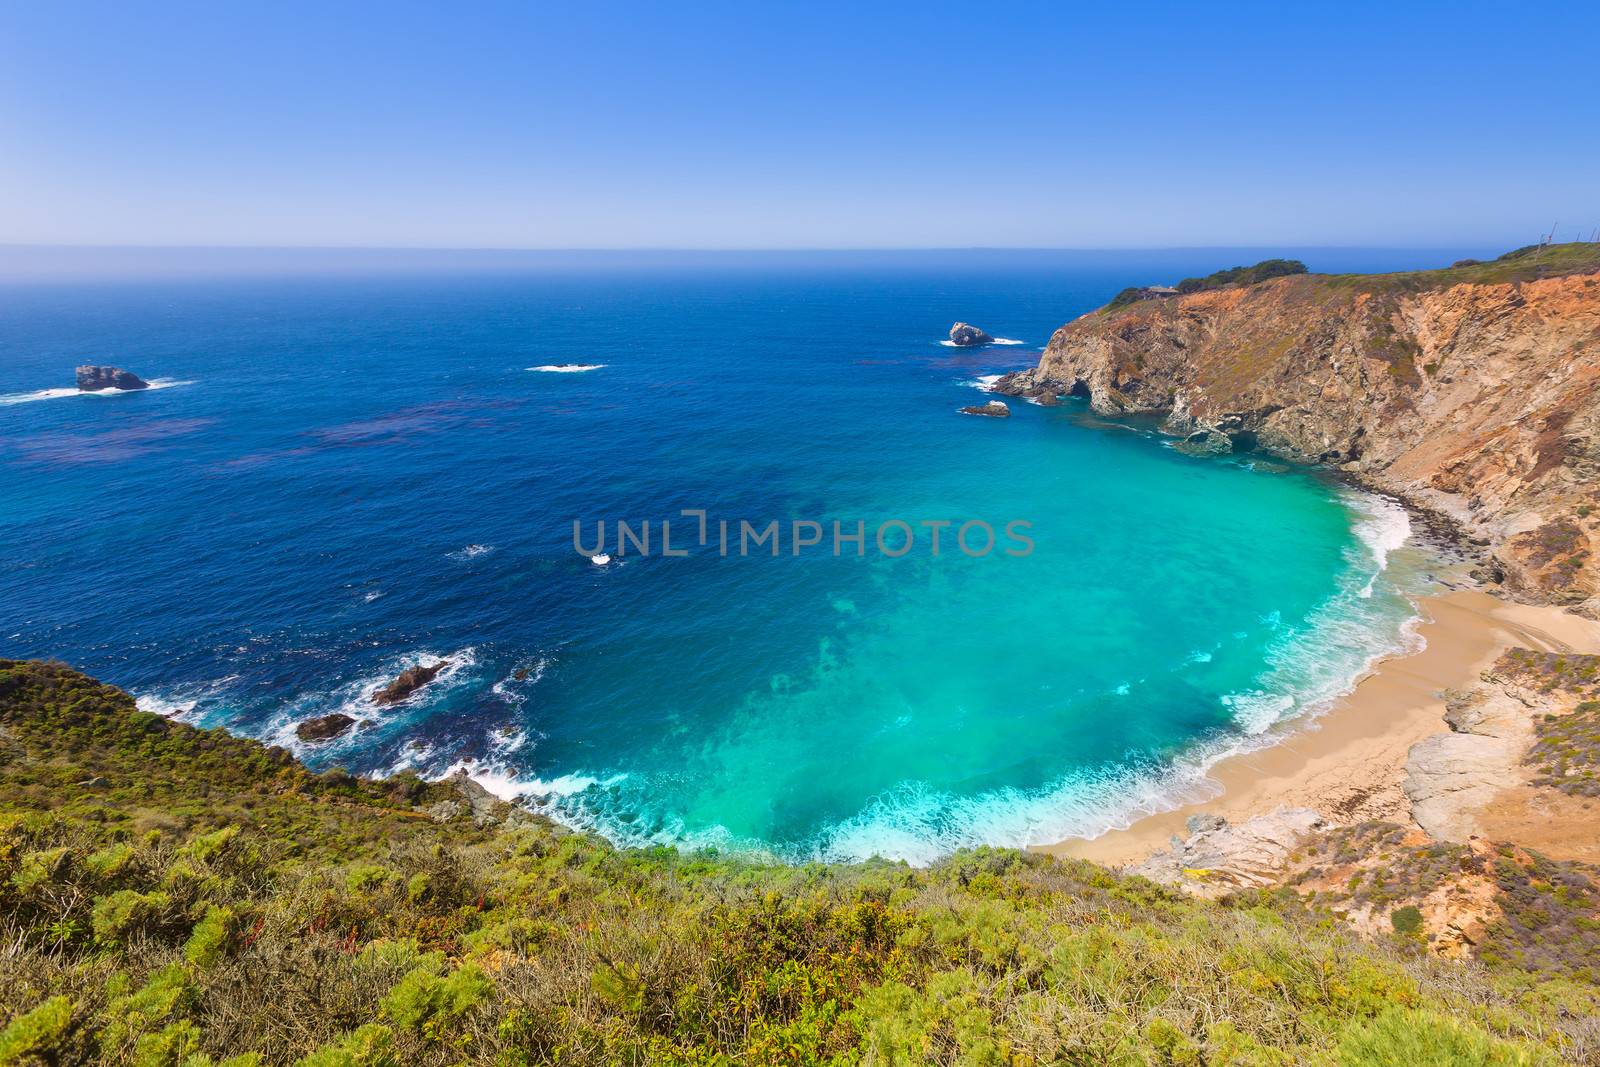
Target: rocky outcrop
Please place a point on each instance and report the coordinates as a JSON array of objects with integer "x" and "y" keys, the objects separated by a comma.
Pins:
[
  {"x": 1218, "y": 858},
  {"x": 963, "y": 335},
  {"x": 1475, "y": 391},
  {"x": 94, "y": 379},
  {"x": 474, "y": 801},
  {"x": 1451, "y": 777},
  {"x": 324, "y": 727},
  {"x": 994, "y": 409},
  {"x": 1454, "y": 779},
  {"x": 408, "y": 683}
]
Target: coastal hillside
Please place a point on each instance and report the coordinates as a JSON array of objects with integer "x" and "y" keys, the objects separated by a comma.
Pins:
[
  {"x": 175, "y": 896},
  {"x": 1470, "y": 390}
]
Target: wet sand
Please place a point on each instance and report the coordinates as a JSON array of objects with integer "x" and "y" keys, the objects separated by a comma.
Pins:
[{"x": 1348, "y": 764}]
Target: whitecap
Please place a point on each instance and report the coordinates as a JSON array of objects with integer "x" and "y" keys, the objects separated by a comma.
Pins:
[
  {"x": 600, "y": 560},
  {"x": 985, "y": 382},
  {"x": 470, "y": 552},
  {"x": 567, "y": 368}
]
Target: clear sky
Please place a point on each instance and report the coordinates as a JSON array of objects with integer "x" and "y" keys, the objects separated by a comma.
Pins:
[{"x": 804, "y": 125}]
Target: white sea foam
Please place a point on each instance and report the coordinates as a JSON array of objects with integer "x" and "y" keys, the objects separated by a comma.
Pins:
[
  {"x": 181, "y": 701},
  {"x": 1310, "y": 666},
  {"x": 165, "y": 706},
  {"x": 1382, "y": 525},
  {"x": 514, "y": 690},
  {"x": 532, "y": 792},
  {"x": 567, "y": 368},
  {"x": 985, "y": 382},
  {"x": 55, "y": 394},
  {"x": 996, "y": 341},
  {"x": 470, "y": 552},
  {"x": 600, "y": 560},
  {"x": 414, "y": 754},
  {"x": 42, "y": 394}
]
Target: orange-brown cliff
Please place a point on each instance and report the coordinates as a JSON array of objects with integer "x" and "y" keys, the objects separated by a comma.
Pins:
[{"x": 1472, "y": 390}]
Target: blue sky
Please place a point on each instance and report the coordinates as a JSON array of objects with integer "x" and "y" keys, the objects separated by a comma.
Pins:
[{"x": 815, "y": 125}]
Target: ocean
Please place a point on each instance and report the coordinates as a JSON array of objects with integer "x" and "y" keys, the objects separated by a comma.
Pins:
[{"x": 345, "y": 473}]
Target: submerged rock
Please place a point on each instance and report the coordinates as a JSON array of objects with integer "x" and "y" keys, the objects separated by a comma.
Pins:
[
  {"x": 1206, "y": 443},
  {"x": 995, "y": 409},
  {"x": 94, "y": 379},
  {"x": 324, "y": 728},
  {"x": 408, "y": 682},
  {"x": 963, "y": 335}
]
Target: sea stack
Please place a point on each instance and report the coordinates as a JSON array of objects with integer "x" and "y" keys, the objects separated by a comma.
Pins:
[
  {"x": 94, "y": 379},
  {"x": 964, "y": 335},
  {"x": 994, "y": 409}
]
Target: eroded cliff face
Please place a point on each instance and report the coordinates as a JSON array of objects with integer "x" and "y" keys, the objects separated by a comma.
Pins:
[{"x": 1477, "y": 399}]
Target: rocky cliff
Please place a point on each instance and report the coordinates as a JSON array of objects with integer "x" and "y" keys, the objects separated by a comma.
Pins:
[{"x": 1471, "y": 390}]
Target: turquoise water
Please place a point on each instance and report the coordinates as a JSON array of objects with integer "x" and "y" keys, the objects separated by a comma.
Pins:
[{"x": 348, "y": 476}]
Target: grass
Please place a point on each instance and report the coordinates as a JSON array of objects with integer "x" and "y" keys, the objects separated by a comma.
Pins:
[
  {"x": 176, "y": 896},
  {"x": 1521, "y": 265}
]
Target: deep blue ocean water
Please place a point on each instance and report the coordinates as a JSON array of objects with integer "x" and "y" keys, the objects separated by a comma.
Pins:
[{"x": 346, "y": 475}]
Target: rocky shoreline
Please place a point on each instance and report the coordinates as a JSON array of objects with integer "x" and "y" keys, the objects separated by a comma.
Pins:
[
  {"x": 1472, "y": 394},
  {"x": 1469, "y": 397}
]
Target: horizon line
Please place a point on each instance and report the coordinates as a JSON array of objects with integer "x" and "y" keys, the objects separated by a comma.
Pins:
[{"x": 89, "y": 247}]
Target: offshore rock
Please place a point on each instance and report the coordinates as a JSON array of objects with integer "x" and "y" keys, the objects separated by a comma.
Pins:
[
  {"x": 994, "y": 409},
  {"x": 964, "y": 336},
  {"x": 324, "y": 728},
  {"x": 408, "y": 682},
  {"x": 94, "y": 379}
]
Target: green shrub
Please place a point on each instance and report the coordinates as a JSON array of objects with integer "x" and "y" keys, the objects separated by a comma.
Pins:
[
  {"x": 425, "y": 1002},
  {"x": 132, "y": 1014},
  {"x": 371, "y": 1045},
  {"x": 209, "y": 939},
  {"x": 39, "y": 1035},
  {"x": 1408, "y": 1037},
  {"x": 40, "y": 867},
  {"x": 111, "y": 861},
  {"x": 1407, "y": 921},
  {"x": 126, "y": 912}
]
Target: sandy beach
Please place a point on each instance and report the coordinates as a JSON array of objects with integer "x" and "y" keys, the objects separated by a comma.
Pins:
[{"x": 1348, "y": 764}]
